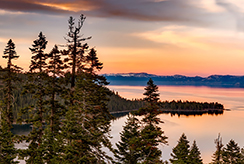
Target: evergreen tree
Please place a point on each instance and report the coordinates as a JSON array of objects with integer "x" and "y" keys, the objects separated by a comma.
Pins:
[
  {"x": 9, "y": 78},
  {"x": 232, "y": 153},
  {"x": 7, "y": 151},
  {"x": 36, "y": 86},
  {"x": 129, "y": 148},
  {"x": 217, "y": 156},
  {"x": 87, "y": 120},
  {"x": 194, "y": 155},
  {"x": 181, "y": 151},
  {"x": 151, "y": 133},
  {"x": 53, "y": 141},
  {"x": 76, "y": 49}
]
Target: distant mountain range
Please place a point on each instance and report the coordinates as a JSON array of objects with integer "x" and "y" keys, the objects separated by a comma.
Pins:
[{"x": 140, "y": 79}]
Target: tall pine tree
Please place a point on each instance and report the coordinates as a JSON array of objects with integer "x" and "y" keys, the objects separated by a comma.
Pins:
[
  {"x": 7, "y": 151},
  {"x": 129, "y": 148},
  {"x": 232, "y": 153},
  {"x": 194, "y": 156},
  {"x": 54, "y": 88},
  {"x": 9, "y": 78},
  {"x": 76, "y": 49},
  {"x": 36, "y": 86},
  {"x": 181, "y": 151},
  {"x": 151, "y": 133},
  {"x": 87, "y": 120}
]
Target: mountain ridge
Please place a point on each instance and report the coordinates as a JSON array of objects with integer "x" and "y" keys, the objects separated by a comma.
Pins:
[{"x": 140, "y": 79}]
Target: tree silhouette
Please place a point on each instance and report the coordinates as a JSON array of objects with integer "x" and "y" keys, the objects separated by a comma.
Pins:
[
  {"x": 76, "y": 49},
  {"x": 36, "y": 86},
  {"x": 232, "y": 153},
  {"x": 194, "y": 154},
  {"x": 181, "y": 151},
  {"x": 217, "y": 156},
  {"x": 151, "y": 133},
  {"x": 87, "y": 120},
  {"x": 54, "y": 88},
  {"x": 9, "y": 76},
  {"x": 129, "y": 148}
]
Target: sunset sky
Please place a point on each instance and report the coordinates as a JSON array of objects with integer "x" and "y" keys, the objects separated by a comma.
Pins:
[{"x": 163, "y": 37}]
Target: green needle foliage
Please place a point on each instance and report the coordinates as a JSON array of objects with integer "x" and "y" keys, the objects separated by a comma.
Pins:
[
  {"x": 232, "y": 153},
  {"x": 129, "y": 148},
  {"x": 7, "y": 151},
  {"x": 183, "y": 154},
  {"x": 181, "y": 151},
  {"x": 194, "y": 155},
  {"x": 9, "y": 77},
  {"x": 36, "y": 86},
  {"x": 54, "y": 88},
  {"x": 87, "y": 120},
  {"x": 76, "y": 49},
  {"x": 151, "y": 133}
]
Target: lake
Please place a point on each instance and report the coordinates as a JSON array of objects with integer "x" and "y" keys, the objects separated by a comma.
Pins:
[{"x": 204, "y": 129}]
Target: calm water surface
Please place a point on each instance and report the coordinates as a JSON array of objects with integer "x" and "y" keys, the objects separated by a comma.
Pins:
[{"x": 204, "y": 129}]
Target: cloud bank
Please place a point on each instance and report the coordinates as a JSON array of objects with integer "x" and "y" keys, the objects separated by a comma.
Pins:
[
  {"x": 235, "y": 11},
  {"x": 143, "y": 10}
]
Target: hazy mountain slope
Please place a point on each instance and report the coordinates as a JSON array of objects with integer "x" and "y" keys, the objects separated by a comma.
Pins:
[{"x": 140, "y": 79}]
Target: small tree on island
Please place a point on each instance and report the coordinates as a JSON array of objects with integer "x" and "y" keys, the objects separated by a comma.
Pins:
[{"x": 151, "y": 134}]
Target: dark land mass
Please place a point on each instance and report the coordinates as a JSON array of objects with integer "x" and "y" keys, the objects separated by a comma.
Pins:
[
  {"x": 179, "y": 107},
  {"x": 191, "y": 108},
  {"x": 119, "y": 105},
  {"x": 140, "y": 79}
]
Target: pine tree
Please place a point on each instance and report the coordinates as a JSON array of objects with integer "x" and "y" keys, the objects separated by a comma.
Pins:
[
  {"x": 217, "y": 156},
  {"x": 129, "y": 148},
  {"x": 53, "y": 90},
  {"x": 181, "y": 151},
  {"x": 7, "y": 151},
  {"x": 87, "y": 120},
  {"x": 232, "y": 153},
  {"x": 36, "y": 86},
  {"x": 194, "y": 156},
  {"x": 9, "y": 77},
  {"x": 76, "y": 49},
  {"x": 151, "y": 133}
]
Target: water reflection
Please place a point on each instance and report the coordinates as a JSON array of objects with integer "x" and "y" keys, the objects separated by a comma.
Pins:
[
  {"x": 23, "y": 129},
  {"x": 194, "y": 113},
  {"x": 178, "y": 113},
  {"x": 203, "y": 128}
]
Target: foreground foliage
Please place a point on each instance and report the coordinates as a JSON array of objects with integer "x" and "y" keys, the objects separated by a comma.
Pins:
[{"x": 182, "y": 153}]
